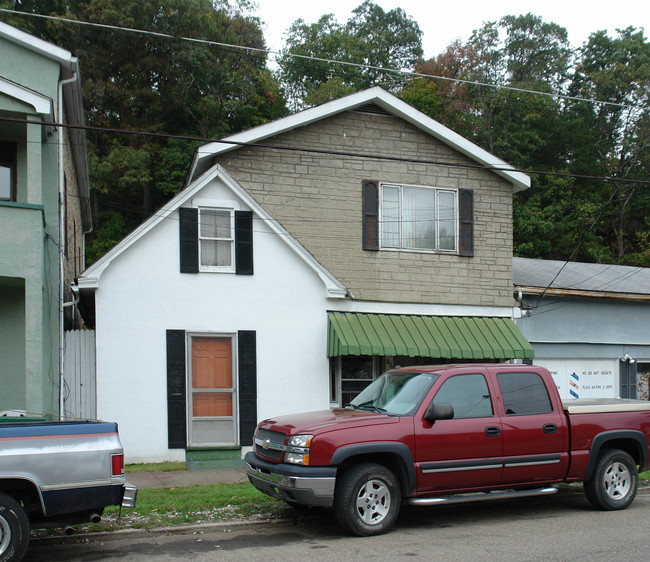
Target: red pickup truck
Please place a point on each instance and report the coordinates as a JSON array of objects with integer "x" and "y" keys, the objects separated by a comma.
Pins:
[{"x": 451, "y": 433}]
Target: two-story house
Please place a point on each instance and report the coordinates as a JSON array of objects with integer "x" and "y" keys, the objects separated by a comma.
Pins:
[
  {"x": 44, "y": 212},
  {"x": 301, "y": 259}
]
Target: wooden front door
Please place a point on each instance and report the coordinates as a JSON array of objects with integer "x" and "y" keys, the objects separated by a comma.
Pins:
[{"x": 212, "y": 401}]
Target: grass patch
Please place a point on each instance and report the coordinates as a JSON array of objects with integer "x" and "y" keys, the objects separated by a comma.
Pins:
[
  {"x": 155, "y": 467},
  {"x": 160, "y": 507}
]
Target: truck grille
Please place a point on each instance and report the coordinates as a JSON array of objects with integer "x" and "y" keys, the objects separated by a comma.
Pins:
[{"x": 276, "y": 438}]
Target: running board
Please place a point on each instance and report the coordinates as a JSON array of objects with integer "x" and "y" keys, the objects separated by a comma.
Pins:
[{"x": 484, "y": 496}]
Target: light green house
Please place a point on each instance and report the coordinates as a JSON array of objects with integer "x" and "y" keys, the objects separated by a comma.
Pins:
[{"x": 44, "y": 213}]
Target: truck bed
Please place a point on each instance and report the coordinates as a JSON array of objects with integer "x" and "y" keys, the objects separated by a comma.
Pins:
[{"x": 602, "y": 405}]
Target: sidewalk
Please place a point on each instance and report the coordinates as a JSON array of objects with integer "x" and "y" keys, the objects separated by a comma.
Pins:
[{"x": 180, "y": 478}]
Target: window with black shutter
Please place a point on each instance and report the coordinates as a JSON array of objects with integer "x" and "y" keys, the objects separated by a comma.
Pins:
[{"x": 217, "y": 240}]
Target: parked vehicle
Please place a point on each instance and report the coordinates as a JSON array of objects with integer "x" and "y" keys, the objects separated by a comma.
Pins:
[
  {"x": 57, "y": 474},
  {"x": 453, "y": 433}
]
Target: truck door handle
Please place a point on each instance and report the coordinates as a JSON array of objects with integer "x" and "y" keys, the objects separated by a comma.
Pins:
[
  {"x": 492, "y": 431},
  {"x": 550, "y": 428}
]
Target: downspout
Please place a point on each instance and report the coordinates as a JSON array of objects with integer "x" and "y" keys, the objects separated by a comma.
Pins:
[{"x": 62, "y": 240}]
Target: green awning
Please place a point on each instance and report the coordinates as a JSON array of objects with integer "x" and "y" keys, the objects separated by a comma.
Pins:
[{"x": 446, "y": 337}]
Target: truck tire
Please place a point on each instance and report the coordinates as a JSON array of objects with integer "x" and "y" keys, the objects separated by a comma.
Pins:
[
  {"x": 367, "y": 499},
  {"x": 14, "y": 529},
  {"x": 614, "y": 482}
]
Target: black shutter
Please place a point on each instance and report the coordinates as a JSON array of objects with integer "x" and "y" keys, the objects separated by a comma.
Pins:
[
  {"x": 247, "y": 359},
  {"x": 243, "y": 242},
  {"x": 176, "y": 396},
  {"x": 466, "y": 225},
  {"x": 370, "y": 209},
  {"x": 189, "y": 239}
]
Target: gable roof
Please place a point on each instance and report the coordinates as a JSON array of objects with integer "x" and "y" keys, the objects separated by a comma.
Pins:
[
  {"x": 90, "y": 278},
  {"x": 377, "y": 96},
  {"x": 581, "y": 279}
]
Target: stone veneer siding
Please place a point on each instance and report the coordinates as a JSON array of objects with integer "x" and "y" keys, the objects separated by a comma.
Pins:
[{"x": 317, "y": 198}]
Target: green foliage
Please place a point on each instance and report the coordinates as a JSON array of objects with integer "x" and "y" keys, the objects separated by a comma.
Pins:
[{"x": 372, "y": 37}]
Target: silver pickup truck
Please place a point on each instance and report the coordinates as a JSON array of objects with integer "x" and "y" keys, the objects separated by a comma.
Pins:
[{"x": 57, "y": 474}]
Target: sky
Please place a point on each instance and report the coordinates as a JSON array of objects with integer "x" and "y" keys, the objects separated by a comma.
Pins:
[{"x": 444, "y": 22}]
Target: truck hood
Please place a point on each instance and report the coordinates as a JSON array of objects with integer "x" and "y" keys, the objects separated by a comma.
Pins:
[{"x": 322, "y": 421}]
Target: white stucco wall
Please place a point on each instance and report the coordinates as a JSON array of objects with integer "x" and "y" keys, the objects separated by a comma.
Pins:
[{"x": 142, "y": 294}]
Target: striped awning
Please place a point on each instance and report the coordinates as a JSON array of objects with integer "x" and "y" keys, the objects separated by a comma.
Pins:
[{"x": 445, "y": 337}]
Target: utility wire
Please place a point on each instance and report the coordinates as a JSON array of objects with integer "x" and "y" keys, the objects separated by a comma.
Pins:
[
  {"x": 363, "y": 155},
  {"x": 266, "y": 52}
]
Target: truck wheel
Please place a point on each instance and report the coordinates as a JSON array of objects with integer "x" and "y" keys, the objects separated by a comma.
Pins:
[
  {"x": 14, "y": 529},
  {"x": 367, "y": 500},
  {"x": 614, "y": 482}
]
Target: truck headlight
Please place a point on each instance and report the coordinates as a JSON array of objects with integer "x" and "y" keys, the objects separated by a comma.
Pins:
[{"x": 297, "y": 449}]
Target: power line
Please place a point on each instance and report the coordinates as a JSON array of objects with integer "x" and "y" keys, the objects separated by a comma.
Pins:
[
  {"x": 266, "y": 52},
  {"x": 324, "y": 152}
]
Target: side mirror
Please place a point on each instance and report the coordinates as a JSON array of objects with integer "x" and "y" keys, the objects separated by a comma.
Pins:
[{"x": 440, "y": 411}]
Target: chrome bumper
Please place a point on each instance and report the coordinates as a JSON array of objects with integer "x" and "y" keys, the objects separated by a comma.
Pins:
[
  {"x": 130, "y": 495},
  {"x": 293, "y": 484}
]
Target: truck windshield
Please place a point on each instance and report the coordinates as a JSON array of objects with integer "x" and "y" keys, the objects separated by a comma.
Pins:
[{"x": 397, "y": 393}]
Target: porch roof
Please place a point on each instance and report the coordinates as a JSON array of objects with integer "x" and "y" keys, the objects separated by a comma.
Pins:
[{"x": 445, "y": 337}]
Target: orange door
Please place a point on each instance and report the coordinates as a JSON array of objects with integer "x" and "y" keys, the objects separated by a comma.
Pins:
[{"x": 213, "y": 390}]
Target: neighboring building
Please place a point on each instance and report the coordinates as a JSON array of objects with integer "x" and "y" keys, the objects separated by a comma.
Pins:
[
  {"x": 44, "y": 213},
  {"x": 301, "y": 259},
  {"x": 589, "y": 325}
]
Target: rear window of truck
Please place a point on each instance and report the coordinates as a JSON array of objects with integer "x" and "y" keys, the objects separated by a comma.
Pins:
[{"x": 524, "y": 393}]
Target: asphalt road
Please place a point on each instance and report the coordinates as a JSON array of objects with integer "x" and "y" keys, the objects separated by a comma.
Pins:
[{"x": 562, "y": 527}]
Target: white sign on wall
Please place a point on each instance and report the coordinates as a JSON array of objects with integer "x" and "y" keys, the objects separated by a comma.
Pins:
[{"x": 583, "y": 378}]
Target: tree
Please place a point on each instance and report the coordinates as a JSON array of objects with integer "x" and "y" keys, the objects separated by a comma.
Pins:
[
  {"x": 373, "y": 38},
  {"x": 614, "y": 137}
]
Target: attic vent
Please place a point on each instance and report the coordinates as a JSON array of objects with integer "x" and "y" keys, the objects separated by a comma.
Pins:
[{"x": 372, "y": 108}]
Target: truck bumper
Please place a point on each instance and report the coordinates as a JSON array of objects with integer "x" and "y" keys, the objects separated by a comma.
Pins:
[
  {"x": 129, "y": 496},
  {"x": 305, "y": 485}
]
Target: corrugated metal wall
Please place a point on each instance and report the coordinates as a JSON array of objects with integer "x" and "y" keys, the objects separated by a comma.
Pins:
[{"x": 79, "y": 384}]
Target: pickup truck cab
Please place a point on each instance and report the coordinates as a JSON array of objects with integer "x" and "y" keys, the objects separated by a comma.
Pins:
[
  {"x": 448, "y": 434},
  {"x": 57, "y": 473}
]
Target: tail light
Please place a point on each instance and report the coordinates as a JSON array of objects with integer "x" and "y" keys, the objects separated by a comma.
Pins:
[{"x": 117, "y": 464}]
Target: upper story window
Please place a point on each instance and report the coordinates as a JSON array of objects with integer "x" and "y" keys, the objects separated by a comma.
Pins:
[
  {"x": 7, "y": 171},
  {"x": 216, "y": 239},
  {"x": 418, "y": 218}
]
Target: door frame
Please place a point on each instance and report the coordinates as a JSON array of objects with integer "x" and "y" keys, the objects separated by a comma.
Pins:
[{"x": 232, "y": 336}]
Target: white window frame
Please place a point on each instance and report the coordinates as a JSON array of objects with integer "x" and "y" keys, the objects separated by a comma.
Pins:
[
  {"x": 231, "y": 239},
  {"x": 401, "y": 247}
]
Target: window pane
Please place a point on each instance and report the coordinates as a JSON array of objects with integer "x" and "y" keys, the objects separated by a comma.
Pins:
[
  {"x": 208, "y": 404},
  {"x": 390, "y": 216},
  {"x": 447, "y": 220},
  {"x": 356, "y": 374},
  {"x": 5, "y": 182},
  {"x": 215, "y": 224},
  {"x": 418, "y": 214},
  {"x": 524, "y": 393},
  {"x": 468, "y": 394},
  {"x": 216, "y": 253}
]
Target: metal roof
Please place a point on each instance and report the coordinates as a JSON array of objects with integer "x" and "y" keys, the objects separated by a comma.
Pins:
[
  {"x": 446, "y": 337},
  {"x": 600, "y": 279}
]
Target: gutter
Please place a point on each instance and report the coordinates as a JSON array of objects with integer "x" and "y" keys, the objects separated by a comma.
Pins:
[
  {"x": 581, "y": 293},
  {"x": 62, "y": 242}
]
